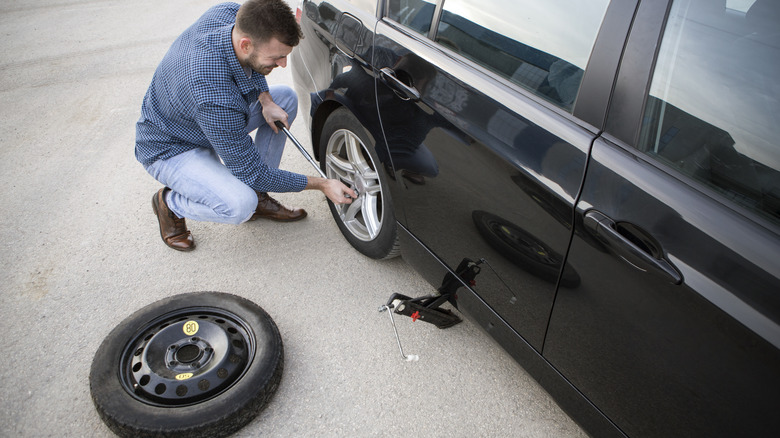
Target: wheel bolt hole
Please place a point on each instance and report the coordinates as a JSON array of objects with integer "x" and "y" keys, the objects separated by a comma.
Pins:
[
  {"x": 137, "y": 367},
  {"x": 159, "y": 389},
  {"x": 144, "y": 380}
]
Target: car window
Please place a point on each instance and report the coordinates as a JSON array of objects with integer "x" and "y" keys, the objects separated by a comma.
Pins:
[
  {"x": 713, "y": 111},
  {"x": 414, "y": 14},
  {"x": 541, "y": 46}
]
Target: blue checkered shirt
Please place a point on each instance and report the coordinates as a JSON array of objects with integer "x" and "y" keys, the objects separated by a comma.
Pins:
[{"x": 200, "y": 98}]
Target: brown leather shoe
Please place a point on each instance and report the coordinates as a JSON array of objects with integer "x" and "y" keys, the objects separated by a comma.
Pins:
[
  {"x": 270, "y": 208},
  {"x": 173, "y": 229}
]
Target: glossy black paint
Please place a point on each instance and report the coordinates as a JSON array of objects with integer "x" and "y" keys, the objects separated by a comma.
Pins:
[
  {"x": 700, "y": 345},
  {"x": 690, "y": 347},
  {"x": 461, "y": 154},
  {"x": 693, "y": 352}
]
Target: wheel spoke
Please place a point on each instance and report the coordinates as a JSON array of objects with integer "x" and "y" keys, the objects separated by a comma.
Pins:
[
  {"x": 341, "y": 169},
  {"x": 371, "y": 217},
  {"x": 372, "y": 188},
  {"x": 352, "y": 210},
  {"x": 350, "y": 215},
  {"x": 355, "y": 154}
]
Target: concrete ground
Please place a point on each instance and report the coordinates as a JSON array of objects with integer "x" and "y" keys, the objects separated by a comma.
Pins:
[{"x": 80, "y": 251}]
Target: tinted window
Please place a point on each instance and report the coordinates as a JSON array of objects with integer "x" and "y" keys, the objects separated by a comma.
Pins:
[
  {"x": 714, "y": 109},
  {"x": 414, "y": 14},
  {"x": 542, "y": 46}
]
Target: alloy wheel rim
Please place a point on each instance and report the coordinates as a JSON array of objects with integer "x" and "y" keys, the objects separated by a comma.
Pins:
[{"x": 348, "y": 160}]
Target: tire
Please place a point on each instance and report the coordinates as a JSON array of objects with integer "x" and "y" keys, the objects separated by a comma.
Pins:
[
  {"x": 347, "y": 153},
  {"x": 196, "y": 364}
]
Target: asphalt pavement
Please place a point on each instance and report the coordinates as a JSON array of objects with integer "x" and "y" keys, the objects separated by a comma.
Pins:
[{"x": 80, "y": 251}]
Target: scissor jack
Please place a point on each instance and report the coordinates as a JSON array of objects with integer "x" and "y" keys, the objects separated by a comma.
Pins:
[{"x": 427, "y": 308}]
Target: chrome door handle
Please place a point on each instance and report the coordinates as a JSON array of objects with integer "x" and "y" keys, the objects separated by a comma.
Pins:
[
  {"x": 407, "y": 92},
  {"x": 619, "y": 243}
]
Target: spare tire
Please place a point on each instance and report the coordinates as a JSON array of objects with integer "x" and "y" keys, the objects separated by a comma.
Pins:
[{"x": 195, "y": 364}]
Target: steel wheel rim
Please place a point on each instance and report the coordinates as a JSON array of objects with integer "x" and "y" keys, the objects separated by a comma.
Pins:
[
  {"x": 348, "y": 159},
  {"x": 187, "y": 356}
]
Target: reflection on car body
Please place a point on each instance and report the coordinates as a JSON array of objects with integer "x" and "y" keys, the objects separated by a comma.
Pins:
[{"x": 610, "y": 170}]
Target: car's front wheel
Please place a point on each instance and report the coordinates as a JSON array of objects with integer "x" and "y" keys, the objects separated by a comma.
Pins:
[{"x": 347, "y": 154}]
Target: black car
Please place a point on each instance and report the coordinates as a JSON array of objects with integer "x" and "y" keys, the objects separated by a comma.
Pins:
[{"x": 595, "y": 183}]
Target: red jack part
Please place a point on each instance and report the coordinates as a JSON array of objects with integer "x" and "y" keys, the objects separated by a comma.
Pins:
[{"x": 415, "y": 316}]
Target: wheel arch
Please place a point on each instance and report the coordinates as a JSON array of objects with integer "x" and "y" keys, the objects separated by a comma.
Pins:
[
  {"x": 321, "y": 114},
  {"x": 328, "y": 107}
]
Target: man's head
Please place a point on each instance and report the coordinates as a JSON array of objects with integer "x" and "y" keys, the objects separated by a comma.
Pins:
[{"x": 264, "y": 34}]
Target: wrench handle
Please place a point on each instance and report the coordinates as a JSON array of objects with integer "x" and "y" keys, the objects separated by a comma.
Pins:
[{"x": 300, "y": 147}]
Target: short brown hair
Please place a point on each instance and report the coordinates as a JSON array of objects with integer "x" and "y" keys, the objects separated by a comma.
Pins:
[{"x": 266, "y": 19}]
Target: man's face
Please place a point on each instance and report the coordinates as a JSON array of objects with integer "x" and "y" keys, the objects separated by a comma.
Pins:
[{"x": 266, "y": 57}]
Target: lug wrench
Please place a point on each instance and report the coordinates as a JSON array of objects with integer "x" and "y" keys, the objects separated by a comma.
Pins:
[{"x": 300, "y": 147}]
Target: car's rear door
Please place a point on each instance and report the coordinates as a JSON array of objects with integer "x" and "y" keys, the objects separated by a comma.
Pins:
[
  {"x": 673, "y": 329},
  {"x": 480, "y": 108}
]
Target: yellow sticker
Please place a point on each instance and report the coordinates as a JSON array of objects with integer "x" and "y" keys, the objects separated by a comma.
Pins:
[
  {"x": 190, "y": 328},
  {"x": 183, "y": 376}
]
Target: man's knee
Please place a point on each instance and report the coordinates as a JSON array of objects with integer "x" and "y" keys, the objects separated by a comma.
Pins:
[{"x": 239, "y": 207}]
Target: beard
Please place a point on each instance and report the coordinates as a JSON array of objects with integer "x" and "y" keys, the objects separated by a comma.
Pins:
[{"x": 263, "y": 69}]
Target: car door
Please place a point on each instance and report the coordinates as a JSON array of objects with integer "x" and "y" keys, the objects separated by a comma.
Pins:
[
  {"x": 673, "y": 329},
  {"x": 487, "y": 147}
]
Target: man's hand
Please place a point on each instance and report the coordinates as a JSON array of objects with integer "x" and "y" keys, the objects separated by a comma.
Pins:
[
  {"x": 334, "y": 189},
  {"x": 272, "y": 112}
]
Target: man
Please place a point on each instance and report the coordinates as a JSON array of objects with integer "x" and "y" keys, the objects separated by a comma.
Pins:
[{"x": 207, "y": 95}]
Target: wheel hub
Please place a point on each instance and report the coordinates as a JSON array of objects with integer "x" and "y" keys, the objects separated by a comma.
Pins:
[
  {"x": 187, "y": 357},
  {"x": 188, "y": 354}
]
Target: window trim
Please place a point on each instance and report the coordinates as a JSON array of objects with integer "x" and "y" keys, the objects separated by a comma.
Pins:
[
  {"x": 601, "y": 70},
  {"x": 628, "y": 106},
  {"x": 629, "y": 96},
  {"x": 598, "y": 83},
  {"x": 508, "y": 94}
]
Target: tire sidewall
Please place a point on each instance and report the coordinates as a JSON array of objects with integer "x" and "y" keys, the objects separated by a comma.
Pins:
[{"x": 218, "y": 416}]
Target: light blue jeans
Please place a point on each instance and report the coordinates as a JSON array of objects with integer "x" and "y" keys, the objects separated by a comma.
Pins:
[{"x": 203, "y": 189}]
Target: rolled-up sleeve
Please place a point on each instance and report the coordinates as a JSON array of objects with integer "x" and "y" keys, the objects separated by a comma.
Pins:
[{"x": 225, "y": 129}]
